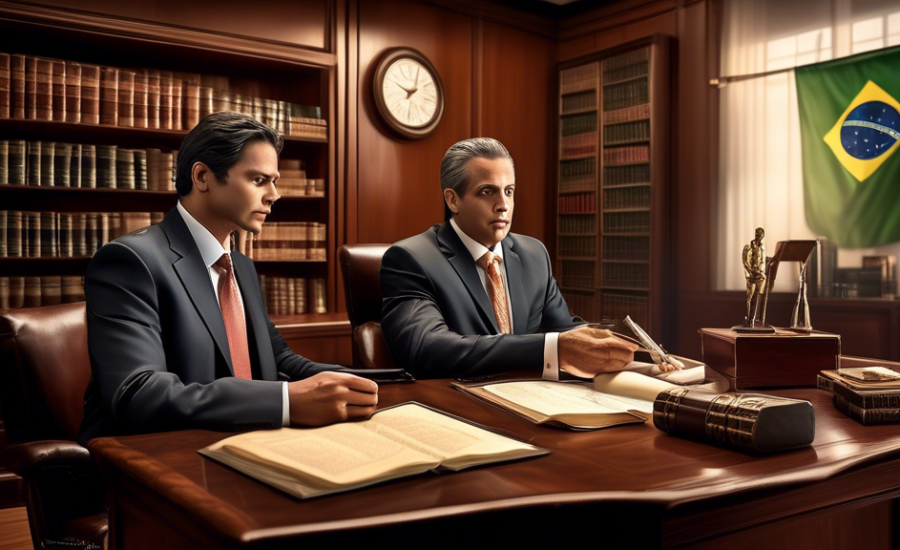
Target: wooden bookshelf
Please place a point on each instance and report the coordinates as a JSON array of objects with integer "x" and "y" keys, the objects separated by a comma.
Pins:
[{"x": 614, "y": 159}]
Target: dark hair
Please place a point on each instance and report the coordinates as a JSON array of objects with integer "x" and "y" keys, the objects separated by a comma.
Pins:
[
  {"x": 455, "y": 175},
  {"x": 217, "y": 141}
]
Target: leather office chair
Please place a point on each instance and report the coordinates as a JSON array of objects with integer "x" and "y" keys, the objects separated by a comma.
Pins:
[
  {"x": 44, "y": 370},
  {"x": 361, "y": 266}
]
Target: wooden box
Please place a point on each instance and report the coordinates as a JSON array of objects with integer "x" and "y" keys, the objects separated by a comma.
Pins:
[{"x": 783, "y": 359}]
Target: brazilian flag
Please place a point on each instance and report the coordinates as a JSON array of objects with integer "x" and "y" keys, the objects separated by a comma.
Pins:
[{"x": 850, "y": 130}]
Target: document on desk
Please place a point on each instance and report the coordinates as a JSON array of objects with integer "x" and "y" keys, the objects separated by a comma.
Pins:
[{"x": 397, "y": 442}]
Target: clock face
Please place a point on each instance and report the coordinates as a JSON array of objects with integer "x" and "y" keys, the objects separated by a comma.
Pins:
[{"x": 410, "y": 93}]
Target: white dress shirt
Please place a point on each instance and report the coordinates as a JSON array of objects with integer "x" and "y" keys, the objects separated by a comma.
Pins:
[
  {"x": 211, "y": 250},
  {"x": 477, "y": 250}
]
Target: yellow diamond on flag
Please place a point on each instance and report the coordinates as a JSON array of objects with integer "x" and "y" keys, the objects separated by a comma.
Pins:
[{"x": 868, "y": 132}]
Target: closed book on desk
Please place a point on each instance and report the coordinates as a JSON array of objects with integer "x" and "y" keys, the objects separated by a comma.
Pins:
[
  {"x": 401, "y": 441},
  {"x": 866, "y": 416}
]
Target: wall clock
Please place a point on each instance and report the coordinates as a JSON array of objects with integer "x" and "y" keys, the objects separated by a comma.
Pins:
[{"x": 408, "y": 93}]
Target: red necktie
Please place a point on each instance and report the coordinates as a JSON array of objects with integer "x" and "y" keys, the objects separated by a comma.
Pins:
[
  {"x": 490, "y": 263},
  {"x": 233, "y": 315}
]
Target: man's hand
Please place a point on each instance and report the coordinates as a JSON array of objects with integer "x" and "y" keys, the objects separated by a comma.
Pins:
[
  {"x": 588, "y": 351},
  {"x": 330, "y": 397}
]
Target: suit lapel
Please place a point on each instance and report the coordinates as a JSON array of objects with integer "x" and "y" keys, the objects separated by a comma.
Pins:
[
  {"x": 461, "y": 260},
  {"x": 194, "y": 275},
  {"x": 514, "y": 278},
  {"x": 256, "y": 316}
]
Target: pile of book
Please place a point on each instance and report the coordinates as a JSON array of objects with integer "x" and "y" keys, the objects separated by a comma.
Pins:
[
  {"x": 49, "y": 164},
  {"x": 40, "y": 88},
  {"x": 288, "y": 295},
  {"x": 48, "y": 290},
  {"x": 65, "y": 234},
  {"x": 285, "y": 242},
  {"x": 869, "y": 395},
  {"x": 578, "y": 203},
  {"x": 294, "y": 183}
]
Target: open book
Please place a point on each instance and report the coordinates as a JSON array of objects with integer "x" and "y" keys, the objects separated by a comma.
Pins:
[
  {"x": 400, "y": 441},
  {"x": 612, "y": 399}
]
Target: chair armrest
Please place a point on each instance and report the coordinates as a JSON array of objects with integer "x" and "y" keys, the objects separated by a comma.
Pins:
[{"x": 28, "y": 459}]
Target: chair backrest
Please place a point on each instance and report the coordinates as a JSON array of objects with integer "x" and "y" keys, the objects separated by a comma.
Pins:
[
  {"x": 44, "y": 371},
  {"x": 361, "y": 267}
]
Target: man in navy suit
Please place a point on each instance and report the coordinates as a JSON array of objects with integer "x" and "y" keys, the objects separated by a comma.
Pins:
[
  {"x": 468, "y": 297},
  {"x": 177, "y": 331}
]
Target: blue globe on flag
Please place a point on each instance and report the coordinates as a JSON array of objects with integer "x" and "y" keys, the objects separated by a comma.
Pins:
[{"x": 870, "y": 130}]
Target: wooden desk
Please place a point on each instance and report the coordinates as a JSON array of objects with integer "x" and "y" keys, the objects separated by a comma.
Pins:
[{"x": 625, "y": 484}]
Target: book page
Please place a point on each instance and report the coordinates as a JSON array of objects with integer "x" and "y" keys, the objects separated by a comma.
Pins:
[
  {"x": 438, "y": 435},
  {"x": 632, "y": 385},
  {"x": 334, "y": 455},
  {"x": 555, "y": 398}
]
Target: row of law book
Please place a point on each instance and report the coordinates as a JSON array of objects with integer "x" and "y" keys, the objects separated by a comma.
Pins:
[
  {"x": 635, "y": 57},
  {"x": 579, "y": 79},
  {"x": 579, "y": 203},
  {"x": 285, "y": 241},
  {"x": 65, "y": 234},
  {"x": 580, "y": 101},
  {"x": 627, "y": 197},
  {"x": 638, "y": 112},
  {"x": 581, "y": 304},
  {"x": 577, "y": 246},
  {"x": 577, "y": 146},
  {"x": 626, "y": 275},
  {"x": 46, "y": 290},
  {"x": 625, "y": 175},
  {"x": 577, "y": 169},
  {"x": 578, "y": 274},
  {"x": 626, "y": 222},
  {"x": 626, "y": 155},
  {"x": 578, "y": 124},
  {"x": 617, "y": 304},
  {"x": 51, "y": 164},
  {"x": 293, "y": 295},
  {"x": 627, "y": 94},
  {"x": 626, "y": 248},
  {"x": 294, "y": 183},
  {"x": 869, "y": 395},
  {"x": 569, "y": 225},
  {"x": 628, "y": 131},
  {"x": 633, "y": 70},
  {"x": 40, "y": 88}
]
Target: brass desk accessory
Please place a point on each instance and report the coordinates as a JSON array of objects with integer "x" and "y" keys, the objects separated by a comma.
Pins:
[
  {"x": 755, "y": 270},
  {"x": 792, "y": 251}
]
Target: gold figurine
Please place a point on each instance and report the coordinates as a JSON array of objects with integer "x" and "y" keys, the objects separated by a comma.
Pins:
[{"x": 754, "y": 258}]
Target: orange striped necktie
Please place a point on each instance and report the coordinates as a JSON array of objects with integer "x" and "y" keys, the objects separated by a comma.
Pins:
[
  {"x": 233, "y": 315},
  {"x": 490, "y": 263}
]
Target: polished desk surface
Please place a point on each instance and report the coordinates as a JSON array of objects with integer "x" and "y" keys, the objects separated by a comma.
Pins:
[{"x": 679, "y": 489}]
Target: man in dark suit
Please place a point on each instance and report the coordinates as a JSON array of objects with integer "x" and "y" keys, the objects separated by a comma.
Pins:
[
  {"x": 177, "y": 331},
  {"x": 457, "y": 304}
]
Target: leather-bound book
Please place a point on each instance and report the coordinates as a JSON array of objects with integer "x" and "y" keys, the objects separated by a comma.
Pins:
[
  {"x": 166, "y": 171},
  {"x": 14, "y": 234},
  {"x": 16, "y": 162},
  {"x": 140, "y": 169},
  {"x": 114, "y": 227},
  {"x": 291, "y": 296},
  {"x": 62, "y": 159},
  {"x": 30, "y": 87},
  {"x": 176, "y": 104},
  {"x": 3, "y": 234},
  {"x": 301, "y": 306},
  {"x": 32, "y": 292},
  {"x": 109, "y": 96},
  {"x": 165, "y": 100},
  {"x": 51, "y": 290},
  {"x": 66, "y": 244},
  {"x": 103, "y": 234},
  {"x": 4, "y": 162},
  {"x": 153, "y": 168},
  {"x": 33, "y": 163},
  {"x": 126, "y": 98},
  {"x": 90, "y": 94},
  {"x": 748, "y": 422},
  {"x": 31, "y": 234},
  {"x": 58, "y": 89},
  {"x": 75, "y": 166},
  {"x": 106, "y": 166},
  {"x": 48, "y": 235},
  {"x": 43, "y": 89},
  {"x": 141, "y": 113},
  {"x": 5, "y": 85},
  {"x": 79, "y": 234},
  {"x": 16, "y": 292},
  {"x": 88, "y": 166},
  {"x": 125, "y": 169},
  {"x": 72, "y": 289},
  {"x": 866, "y": 416},
  {"x": 4, "y": 292},
  {"x": 259, "y": 108},
  {"x": 205, "y": 102},
  {"x": 191, "y": 105},
  {"x": 73, "y": 91},
  {"x": 92, "y": 233},
  {"x": 48, "y": 162},
  {"x": 17, "y": 85},
  {"x": 152, "y": 98},
  {"x": 221, "y": 101}
]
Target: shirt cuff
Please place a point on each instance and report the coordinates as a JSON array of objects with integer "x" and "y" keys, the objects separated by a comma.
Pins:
[
  {"x": 286, "y": 407},
  {"x": 551, "y": 356}
]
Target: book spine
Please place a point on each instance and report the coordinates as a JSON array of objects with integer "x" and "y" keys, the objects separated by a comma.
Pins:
[
  {"x": 72, "y": 289},
  {"x": 89, "y": 166},
  {"x": 4, "y": 292},
  {"x": 5, "y": 85},
  {"x": 43, "y": 89},
  {"x": 106, "y": 166},
  {"x": 153, "y": 98},
  {"x": 62, "y": 158},
  {"x": 109, "y": 96},
  {"x": 31, "y": 233},
  {"x": 32, "y": 292},
  {"x": 125, "y": 169},
  {"x": 48, "y": 241},
  {"x": 165, "y": 100},
  {"x": 177, "y": 106},
  {"x": 48, "y": 154},
  {"x": 17, "y": 162},
  {"x": 140, "y": 169},
  {"x": 51, "y": 290},
  {"x": 66, "y": 245},
  {"x": 73, "y": 92},
  {"x": 191, "y": 106},
  {"x": 75, "y": 166},
  {"x": 126, "y": 99},
  {"x": 90, "y": 94},
  {"x": 823, "y": 383},
  {"x": 58, "y": 89},
  {"x": 14, "y": 234},
  {"x": 867, "y": 417},
  {"x": 205, "y": 102},
  {"x": 79, "y": 234},
  {"x": 141, "y": 100},
  {"x": 16, "y": 292},
  {"x": 4, "y": 251},
  {"x": 868, "y": 399},
  {"x": 4, "y": 162},
  {"x": 17, "y": 85},
  {"x": 30, "y": 101}
]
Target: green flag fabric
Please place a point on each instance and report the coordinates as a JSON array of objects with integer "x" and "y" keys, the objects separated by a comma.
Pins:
[{"x": 850, "y": 131}]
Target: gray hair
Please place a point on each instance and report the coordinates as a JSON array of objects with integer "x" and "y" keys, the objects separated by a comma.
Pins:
[{"x": 454, "y": 174}]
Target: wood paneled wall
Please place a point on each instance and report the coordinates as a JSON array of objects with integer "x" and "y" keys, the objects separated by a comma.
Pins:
[{"x": 498, "y": 82}]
